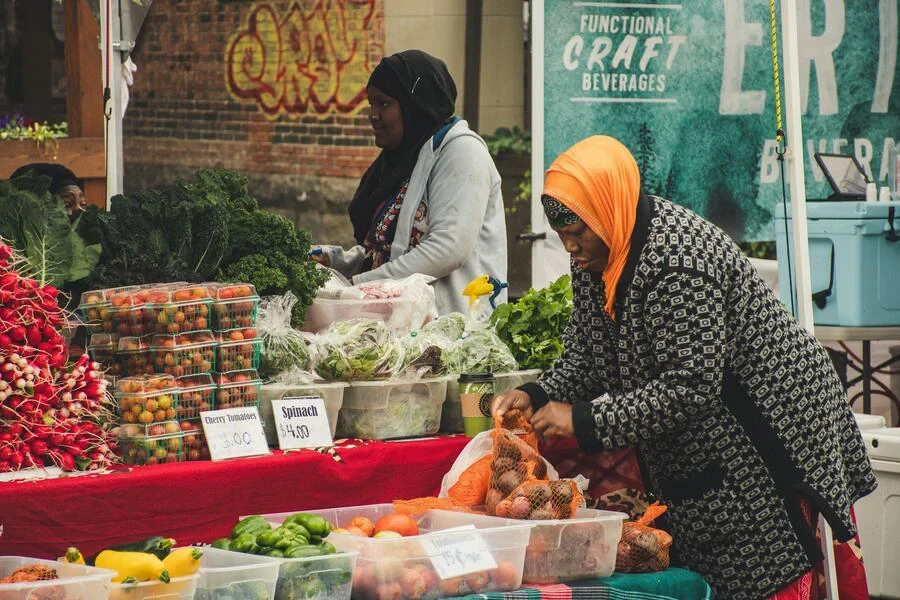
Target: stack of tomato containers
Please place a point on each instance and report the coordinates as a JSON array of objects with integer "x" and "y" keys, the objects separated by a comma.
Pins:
[{"x": 176, "y": 349}]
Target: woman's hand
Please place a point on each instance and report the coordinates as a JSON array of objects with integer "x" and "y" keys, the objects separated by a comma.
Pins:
[
  {"x": 554, "y": 418},
  {"x": 511, "y": 400}
]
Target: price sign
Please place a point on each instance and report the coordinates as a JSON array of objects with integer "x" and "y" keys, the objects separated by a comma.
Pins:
[
  {"x": 234, "y": 433},
  {"x": 457, "y": 554},
  {"x": 301, "y": 423}
]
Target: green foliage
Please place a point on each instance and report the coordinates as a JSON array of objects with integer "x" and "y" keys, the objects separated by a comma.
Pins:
[
  {"x": 533, "y": 326},
  {"x": 508, "y": 141},
  {"x": 208, "y": 228},
  {"x": 14, "y": 128},
  {"x": 759, "y": 249},
  {"x": 38, "y": 225}
]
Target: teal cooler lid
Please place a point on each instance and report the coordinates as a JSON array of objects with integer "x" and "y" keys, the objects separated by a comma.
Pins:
[{"x": 843, "y": 210}]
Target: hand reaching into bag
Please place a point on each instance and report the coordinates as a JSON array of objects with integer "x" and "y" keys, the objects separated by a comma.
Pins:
[
  {"x": 554, "y": 419},
  {"x": 511, "y": 400}
]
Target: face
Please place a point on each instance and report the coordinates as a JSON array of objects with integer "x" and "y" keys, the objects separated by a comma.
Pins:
[
  {"x": 584, "y": 246},
  {"x": 73, "y": 198},
  {"x": 386, "y": 119}
]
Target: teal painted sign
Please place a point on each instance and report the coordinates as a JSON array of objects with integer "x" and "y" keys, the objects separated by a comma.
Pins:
[{"x": 689, "y": 89}]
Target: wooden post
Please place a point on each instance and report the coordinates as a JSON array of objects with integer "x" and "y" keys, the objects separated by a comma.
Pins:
[
  {"x": 84, "y": 89},
  {"x": 472, "y": 98},
  {"x": 36, "y": 59}
]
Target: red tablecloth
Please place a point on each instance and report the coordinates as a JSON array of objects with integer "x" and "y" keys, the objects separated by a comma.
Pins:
[{"x": 198, "y": 502}]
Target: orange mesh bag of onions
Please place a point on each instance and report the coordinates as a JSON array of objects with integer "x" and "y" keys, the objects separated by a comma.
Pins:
[
  {"x": 642, "y": 548},
  {"x": 519, "y": 487}
]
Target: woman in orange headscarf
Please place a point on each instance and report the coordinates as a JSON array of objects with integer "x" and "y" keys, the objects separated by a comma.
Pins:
[{"x": 678, "y": 348}]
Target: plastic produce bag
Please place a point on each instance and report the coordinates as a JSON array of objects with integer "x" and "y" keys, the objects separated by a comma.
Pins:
[
  {"x": 425, "y": 353},
  {"x": 359, "y": 349},
  {"x": 480, "y": 351},
  {"x": 417, "y": 308},
  {"x": 642, "y": 548},
  {"x": 451, "y": 326},
  {"x": 283, "y": 347}
]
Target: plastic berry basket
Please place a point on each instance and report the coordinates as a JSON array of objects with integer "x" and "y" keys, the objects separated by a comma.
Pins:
[
  {"x": 133, "y": 356},
  {"x": 94, "y": 308},
  {"x": 236, "y": 389},
  {"x": 196, "y": 393},
  {"x": 146, "y": 400},
  {"x": 153, "y": 449},
  {"x": 234, "y": 306},
  {"x": 180, "y": 309},
  {"x": 195, "y": 447},
  {"x": 237, "y": 353},
  {"x": 184, "y": 354},
  {"x": 102, "y": 348}
]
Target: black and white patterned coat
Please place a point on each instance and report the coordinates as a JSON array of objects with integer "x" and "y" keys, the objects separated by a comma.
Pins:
[{"x": 736, "y": 411}]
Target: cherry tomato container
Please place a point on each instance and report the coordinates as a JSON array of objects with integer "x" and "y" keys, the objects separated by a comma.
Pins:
[
  {"x": 237, "y": 389},
  {"x": 179, "y": 309},
  {"x": 95, "y": 309},
  {"x": 147, "y": 399},
  {"x": 234, "y": 306},
  {"x": 102, "y": 347},
  {"x": 133, "y": 356},
  {"x": 184, "y": 354},
  {"x": 195, "y": 447},
  {"x": 196, "y": 394},
  {"x": 236, "y": 351}
]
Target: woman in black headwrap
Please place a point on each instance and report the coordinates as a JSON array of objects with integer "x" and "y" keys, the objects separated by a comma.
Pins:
[
  {"x": 63, "y": 183},
  {"x": 430, "y": 203}
]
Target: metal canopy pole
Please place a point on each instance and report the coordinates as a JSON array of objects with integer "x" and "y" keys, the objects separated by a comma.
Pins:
[{"x": 799, "y": 225}]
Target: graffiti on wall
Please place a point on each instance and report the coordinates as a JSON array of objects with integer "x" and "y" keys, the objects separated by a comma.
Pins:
[{"x": 315, "y": 57}]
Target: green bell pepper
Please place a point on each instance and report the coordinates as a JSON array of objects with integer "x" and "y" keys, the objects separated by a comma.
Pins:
[
  {"x": 222, "y": 544},
  {"x": 297, "y": 528},
  {"x": 316, "y": 525},
  {"x": 255, "y": 525},
  {"x": 270, "y": 538},
  {"x": 327, "y": 548},
  {"x": 245, "y": 543},
  {"x": 274, "y": 553}
]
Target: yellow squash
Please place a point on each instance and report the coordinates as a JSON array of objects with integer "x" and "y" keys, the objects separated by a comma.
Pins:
[
  {"x": 73, "y": 556},
  {"x": 183, "y": 561},
  {"x": 132, "y": 566}
]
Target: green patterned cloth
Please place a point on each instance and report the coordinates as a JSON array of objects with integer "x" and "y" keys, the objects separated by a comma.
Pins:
[{"x": 671, "y": 584}]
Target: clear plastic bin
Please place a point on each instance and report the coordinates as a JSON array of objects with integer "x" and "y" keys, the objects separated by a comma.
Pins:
[
  {"x": 180, "y": 588},
  {"x": 237, "y": 389},
  {"x": 74, "y": 581},
  {"x": 403, "y": 562},
  {"x": 327, "y": 577},
  {"x": 332, "y": 394},
  {"x": 134, "y": 356},
  {"x": 238, "y": 354},
  {"x": 226, "y": 574},
  {"x": 184, "y": 354},
  {"x": 451, "y": 414},
  {"x": 559, "y": 550},
  {"x": 196, "y": 393},
  {"x": 397, "y": 313},
  {"x": 147, "y": 399},
  {"x": 234, "y": 306},
  {"x": 391, "y": 409}
]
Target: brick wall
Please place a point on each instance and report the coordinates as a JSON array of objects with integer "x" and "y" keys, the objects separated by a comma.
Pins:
[{"x": 274, "y": 89}]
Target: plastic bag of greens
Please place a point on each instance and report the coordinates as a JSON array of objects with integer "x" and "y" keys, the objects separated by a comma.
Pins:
[
  {"x": 425, "y": 354},
  {"x": 480, "y": 351},
  {"x": 283, "y": 347},
  {"x": 358, "y": 349},
  {"x": 450, "y": 326}
]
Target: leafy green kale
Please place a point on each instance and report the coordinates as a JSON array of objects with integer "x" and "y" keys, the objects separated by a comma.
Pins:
[{"x": 533, "y": 326}]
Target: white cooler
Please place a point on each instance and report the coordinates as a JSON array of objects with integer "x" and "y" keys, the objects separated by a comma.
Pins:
[{"x": 878, "y": 515}]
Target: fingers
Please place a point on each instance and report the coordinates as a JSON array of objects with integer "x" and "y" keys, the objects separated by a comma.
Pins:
[{"x": 513, "y": 400}]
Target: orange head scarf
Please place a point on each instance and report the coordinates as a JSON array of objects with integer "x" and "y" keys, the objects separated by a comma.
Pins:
[{"x": 599, "y": 180}]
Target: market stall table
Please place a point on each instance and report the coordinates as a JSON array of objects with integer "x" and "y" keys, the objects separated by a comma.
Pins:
[{"x": 200, "y": 501}]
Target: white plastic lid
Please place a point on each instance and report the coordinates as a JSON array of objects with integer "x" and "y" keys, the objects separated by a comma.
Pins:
[
  {"x": 884, "y": 443},
  {"x": 867, "y": 422}
]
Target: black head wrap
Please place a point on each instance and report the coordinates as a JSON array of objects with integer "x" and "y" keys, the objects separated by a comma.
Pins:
[
  {"x": 423, "y": 87},
  {"x": 59, "y": 175}
]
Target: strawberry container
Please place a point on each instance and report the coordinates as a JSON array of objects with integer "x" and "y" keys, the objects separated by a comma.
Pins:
[
  {"x": 236, "y": 352},
  {"x": 102, "y": 348},
  {"x": 184, "y": 354},
  {"x": 196, "y": 393},
  {"x": 234, "y": 306},
  {"x": 133, "y": 356},
  {"x": 147, "y": 400},
  {"x": 237, "y": 389}
]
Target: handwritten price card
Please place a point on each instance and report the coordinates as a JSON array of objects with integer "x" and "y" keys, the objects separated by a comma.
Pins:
[
  {"x": 234, "y": 433},
  {"x": 457, "y": 554},
  {"x": 301, "y": 423}
]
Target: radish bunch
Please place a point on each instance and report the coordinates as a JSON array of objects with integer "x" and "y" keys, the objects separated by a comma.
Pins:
[{"x": 51, "y": 413}]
